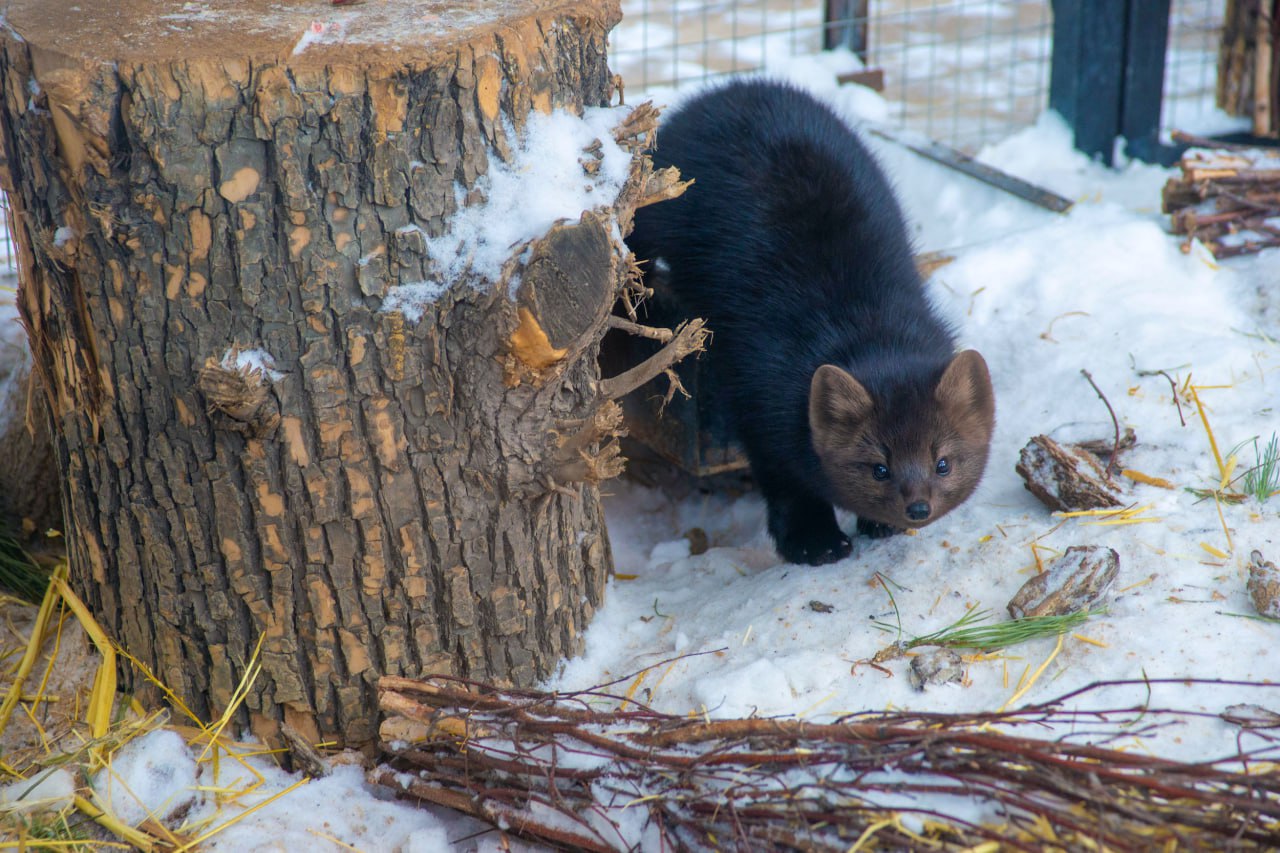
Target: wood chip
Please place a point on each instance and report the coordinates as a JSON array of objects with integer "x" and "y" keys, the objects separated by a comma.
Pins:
[
  {"x": 1064, "y": 478},
  {"x": 937, "y": 666},
  {"x": 1080, "y": 579},
  {"x": 1264, "y": 585}
]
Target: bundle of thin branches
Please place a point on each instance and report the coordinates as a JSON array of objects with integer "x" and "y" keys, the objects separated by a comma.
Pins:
[
  {"x": 1229, "y": 199},
  {"x": 554, "y": 768}
]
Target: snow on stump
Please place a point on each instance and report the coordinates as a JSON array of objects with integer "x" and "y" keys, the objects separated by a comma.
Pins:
[{"x": 303, "y": 390}]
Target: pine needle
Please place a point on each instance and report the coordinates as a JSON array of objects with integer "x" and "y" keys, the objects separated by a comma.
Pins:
[
  {"x": 1263, "y": 479},
  {"x": 1035, "y": 676},
  {"x": 966, "y": 633},
  {"x": 102, "y": 697},
  {"x": 1204, "y": 419},
  {"x": 1121, "y": 512},
  {"x": 1221, "y": 555},
  {"x": 1139, "y": 477},
  {"x": 115, "y": 826},
  {"x": 1223, "y": 519},
  {"x": 1118, "y": 521}
]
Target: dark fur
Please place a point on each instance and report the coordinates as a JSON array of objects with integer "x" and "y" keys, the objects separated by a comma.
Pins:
[{"x": 790, "y": 243}]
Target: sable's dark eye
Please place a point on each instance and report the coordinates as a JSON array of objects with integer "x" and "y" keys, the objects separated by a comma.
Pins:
[
  {"x": 943, "y": 467},
  {"x": 880, "y": 472}
]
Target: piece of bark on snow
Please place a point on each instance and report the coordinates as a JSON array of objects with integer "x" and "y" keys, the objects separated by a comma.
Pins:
[
  {"x": 1264, "y": 585},
  {"x": 1064, "y": 478},
  {"x": 1079, "y": 580}
]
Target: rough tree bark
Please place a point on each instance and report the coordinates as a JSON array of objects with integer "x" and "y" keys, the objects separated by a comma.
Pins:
[{"x": 395, "y": 497}]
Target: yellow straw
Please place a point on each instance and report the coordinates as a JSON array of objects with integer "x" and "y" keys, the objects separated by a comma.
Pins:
[
  {"x": 1213, "y": 444},
  {"x": 102, "y": 696},
  {"x": 33, "y": 650},
  {"x": 220, "y": 827},
  {"x": 1034, "y": 676}
]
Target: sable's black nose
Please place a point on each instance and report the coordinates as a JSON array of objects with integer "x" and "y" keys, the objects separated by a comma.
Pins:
[{"x": 918, "y": 511}]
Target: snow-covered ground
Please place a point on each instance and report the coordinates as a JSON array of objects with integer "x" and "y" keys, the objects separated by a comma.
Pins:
[{"x": 1042, "y": 296}]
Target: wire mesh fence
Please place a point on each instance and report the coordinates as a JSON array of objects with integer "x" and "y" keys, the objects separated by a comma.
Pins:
[
  {"x": 1191, "y": 69},
  {"x": 963, "y": 72}
]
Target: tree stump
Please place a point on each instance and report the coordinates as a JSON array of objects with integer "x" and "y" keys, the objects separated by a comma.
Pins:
[{"x": 214, "y": 218}]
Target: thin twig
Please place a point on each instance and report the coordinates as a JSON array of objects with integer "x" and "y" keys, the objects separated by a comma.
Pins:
[
  {"x": 537, "y": 764},
  {"x": 1111, "y": 461},
  {"x": 651, "y": 332},
  {"x": 1173, "y": 387},
  {"x": 690, "y": 337}
]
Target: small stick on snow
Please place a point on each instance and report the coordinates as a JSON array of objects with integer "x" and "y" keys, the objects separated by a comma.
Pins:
[
  {"x": 1173, "y": 387},
  {"x": 1111, "y": 460}
]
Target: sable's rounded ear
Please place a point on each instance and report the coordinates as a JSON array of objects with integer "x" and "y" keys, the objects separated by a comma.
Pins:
[
  {"x": 837, "y": 405},
  {"x": 966, "y": 386}
]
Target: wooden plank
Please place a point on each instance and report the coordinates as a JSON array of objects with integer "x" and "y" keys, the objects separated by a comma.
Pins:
[
  {"x": 872, "y": 78},
  {"x": 961, "y": 162}
]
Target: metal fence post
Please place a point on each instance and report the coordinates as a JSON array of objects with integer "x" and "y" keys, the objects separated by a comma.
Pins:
[{"x": 844, "y": 24}]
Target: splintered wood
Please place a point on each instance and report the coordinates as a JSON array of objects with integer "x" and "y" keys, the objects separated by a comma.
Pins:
[
  {"x": 1064, "y": 477},
  {"x": 1227, "y": 199}
]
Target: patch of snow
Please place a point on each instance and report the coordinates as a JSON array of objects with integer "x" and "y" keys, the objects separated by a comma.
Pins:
[
  {"x": 150, "y": 777},
  {"x": 543, "y": 184},
  {"x": 252, "y": 360},
  {"x": 339, "y": 812},
  {"x": 47, "y": 790},
  {"x": 412, "y": 299}
]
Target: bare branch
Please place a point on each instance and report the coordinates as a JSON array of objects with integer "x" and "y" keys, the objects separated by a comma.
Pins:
[
  {"x": 573, "y": 768},
  {"x": 690, "y": 337},
  {"x": 1115, "y": 449},
  {"x": 662, "y": 335}
]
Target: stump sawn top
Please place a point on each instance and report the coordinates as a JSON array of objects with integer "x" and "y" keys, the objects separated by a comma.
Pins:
[{"x": 296, "y": 32}]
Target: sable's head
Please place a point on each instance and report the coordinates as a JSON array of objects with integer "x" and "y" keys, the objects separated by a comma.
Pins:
[{"x": 908, "y": 461}]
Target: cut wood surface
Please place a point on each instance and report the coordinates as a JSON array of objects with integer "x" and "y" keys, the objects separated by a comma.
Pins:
[
  {"x": 1229, "y": 199},
  {"x": 211, "y": 206}
]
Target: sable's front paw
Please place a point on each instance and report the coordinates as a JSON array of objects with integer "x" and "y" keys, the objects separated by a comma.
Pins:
[
  {"x": 875, "y": 529},
  {"x": 814, "y": 548}
]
